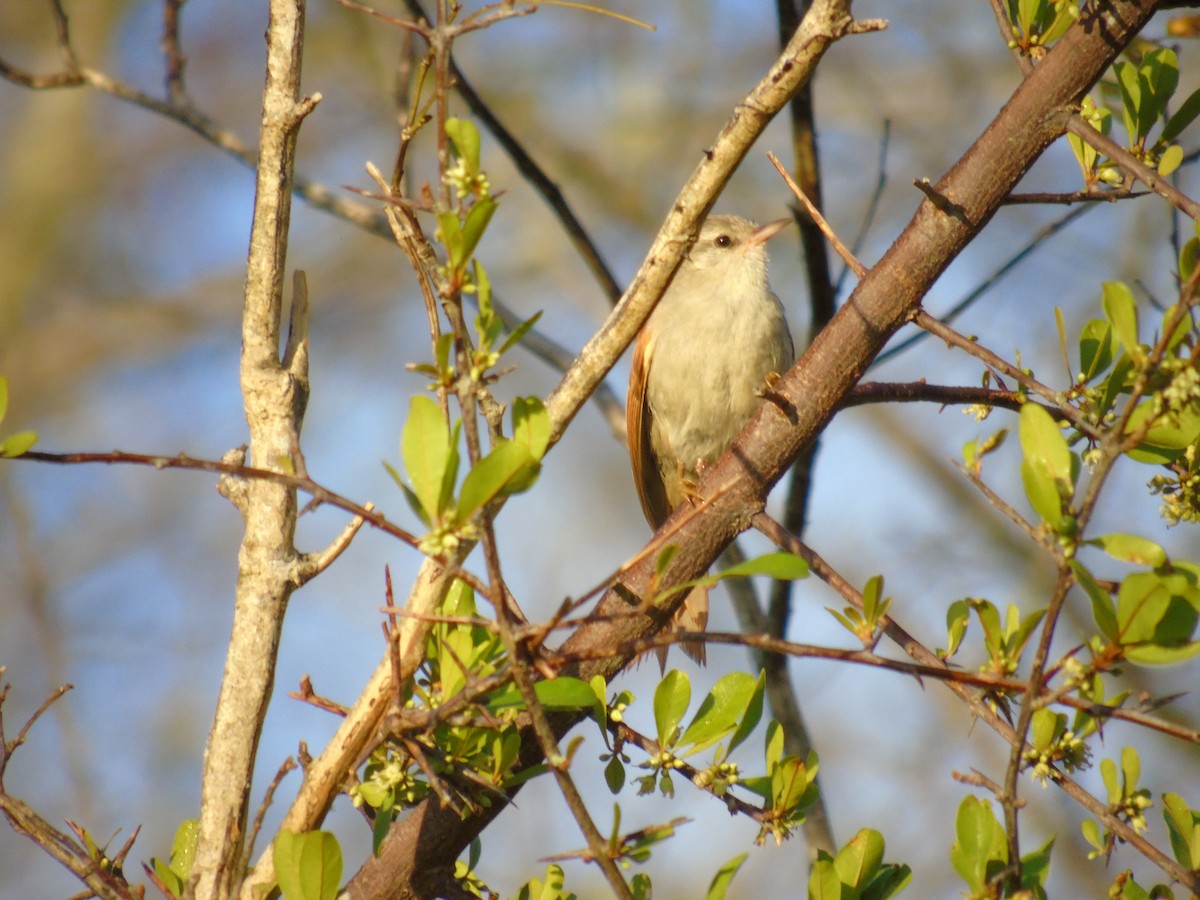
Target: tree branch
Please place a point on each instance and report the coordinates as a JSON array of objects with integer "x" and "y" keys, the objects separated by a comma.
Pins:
[{"x": 275, "y": 396}]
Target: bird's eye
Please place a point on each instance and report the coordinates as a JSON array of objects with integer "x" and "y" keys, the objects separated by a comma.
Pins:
[{"x": 723, "y": 240}]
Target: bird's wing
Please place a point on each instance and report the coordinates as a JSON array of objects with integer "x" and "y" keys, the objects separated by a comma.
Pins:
[{"x": 639, "y": 419}]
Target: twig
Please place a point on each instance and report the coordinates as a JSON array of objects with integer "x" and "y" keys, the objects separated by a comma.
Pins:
[
  {"x": 992, "y": 361},
  {"x": 288, "y": 765},
  {"x": 1134, "y": 166},
  {"x": 535, "y": 175},
  {"x": 842, "y": 250},
  {"x": 1073, "y": 197},
  {"x": 1036, "y": 241}
]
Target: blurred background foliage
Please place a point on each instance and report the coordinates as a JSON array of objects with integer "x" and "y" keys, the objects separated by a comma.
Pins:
[{"x": 122, "y": 242}]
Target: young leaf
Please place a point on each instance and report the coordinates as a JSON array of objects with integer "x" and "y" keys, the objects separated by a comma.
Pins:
[
  {"x": 16, "y": 444},
  {"x": 1183, "y": 825},
  {"x": 1157, "y": 615},
  {"x": 782, "y": 566},
  {"x": 718, "y": 887},
  {"x": 752, "y": 715},
  {"x": 1132, "y": 549},
  {"x": 507, "y": 469},
  {"x": 720, "y": 711},
  {"x": 531, "y": 425},
  {"x": 671, "y": 700},
  {"x": 1171, "y": 159},
  {"x": 465, "y": 137},
  {"x": 859, "y": 860},
  {"x": 1043, "y": 444},
  {"x": 1121, "y": 311},
  {"x": 449, "y": 232},
  {"x": 1104, "y": 611},
  {"x": 823, "y": 880},
  {"x": 614, "y": 774},
  {"x": 519, "y": 332},
  {"x": 308, "y": 866},
  {"x": 1046, "y": 468},
  {"x": 979, "y": 846},
  {"x": 958, "y": 615},
  {"x": 1131, "y": 97},
  {"x": 472, "y": 230},
  {"x": 1096, "y": 349},
  {"x": 428, "y": 458},
  {"x": 565, "y": 692}
]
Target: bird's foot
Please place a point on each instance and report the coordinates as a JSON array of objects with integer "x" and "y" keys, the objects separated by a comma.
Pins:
[{"x": 769, "y": 393}]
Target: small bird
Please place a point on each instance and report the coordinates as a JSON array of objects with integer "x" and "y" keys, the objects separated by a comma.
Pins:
[{"x": 700, "y": 366}]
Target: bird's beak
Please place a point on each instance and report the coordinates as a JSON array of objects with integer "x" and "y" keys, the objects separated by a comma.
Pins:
[{"x": 765, "y": 232}]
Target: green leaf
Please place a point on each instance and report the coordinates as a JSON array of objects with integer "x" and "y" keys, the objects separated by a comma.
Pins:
[
  {"x": 823, "y": 881},
  {"x": 183, "y": 847},
  {"x": 791, "y": 783},
  {"x": 531, "y": 425},
  {"x": 1188, "y": 255},
  {"x": 719, "y": 885},
  {"x": 773, "y": 744},
  {"x": 1042, "y": 442},
  {"x": 1169, "y": 436},
  {"x": 1157, "y": 615},
  {"x": 449, "y": 232},
  {"x": 989, "y": 619},
  {"x": 1104, "y": 611},
  {"x": 472, "y": 230},
  {"x": 1183, "y": 826},
  {"x": 307, "y": 866},
  {"x": 1047, "y": 468},
  {"x": 1131, "y": 97},
  {"x": 565, "y": 692},
  {"x": 1160, "y": 73},
  {"x": 1091, "y": 833},
  {"x": 859, "y": 860},
  {"x": 720, "y": 711},
  {"x": 1035, "y": 867},
  {"x": 383, "y": 822},
  {"x": 1170, "y": 160},
  {"x": 1115, "y": 384},
  {"x": 1097, "y": 348},
  {"x": 508, "y": 469},
  {"x": 1121, "y": 311},
  {"x": 671, "y": 700},
  {"x": 519, "y": 332},
  {"x": 979, "y": 844},
  {"x": 1181, "y": 118},
  {"x": 465, "y": 137},
  {"x": 752, "y": 716},
  {"x": 781, "y": 566},
  {"x": 429, "y": 456},
  {"x": 614, "y": 774},
  {"x": 456, "y": 653},
  {"x": 16, "y": 444},
  {"x": 958, "y": 615},
  {"x": 1132, "y": 549},
  {"x": 1046, "y": 727},
  {"x": 1131, "y": 767}
]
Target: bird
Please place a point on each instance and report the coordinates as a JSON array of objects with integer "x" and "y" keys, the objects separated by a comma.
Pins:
[{"x": 700, "y": 366}]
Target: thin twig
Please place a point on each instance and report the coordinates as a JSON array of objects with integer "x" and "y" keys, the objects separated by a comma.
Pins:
[{"x": 841, "y": 249}]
